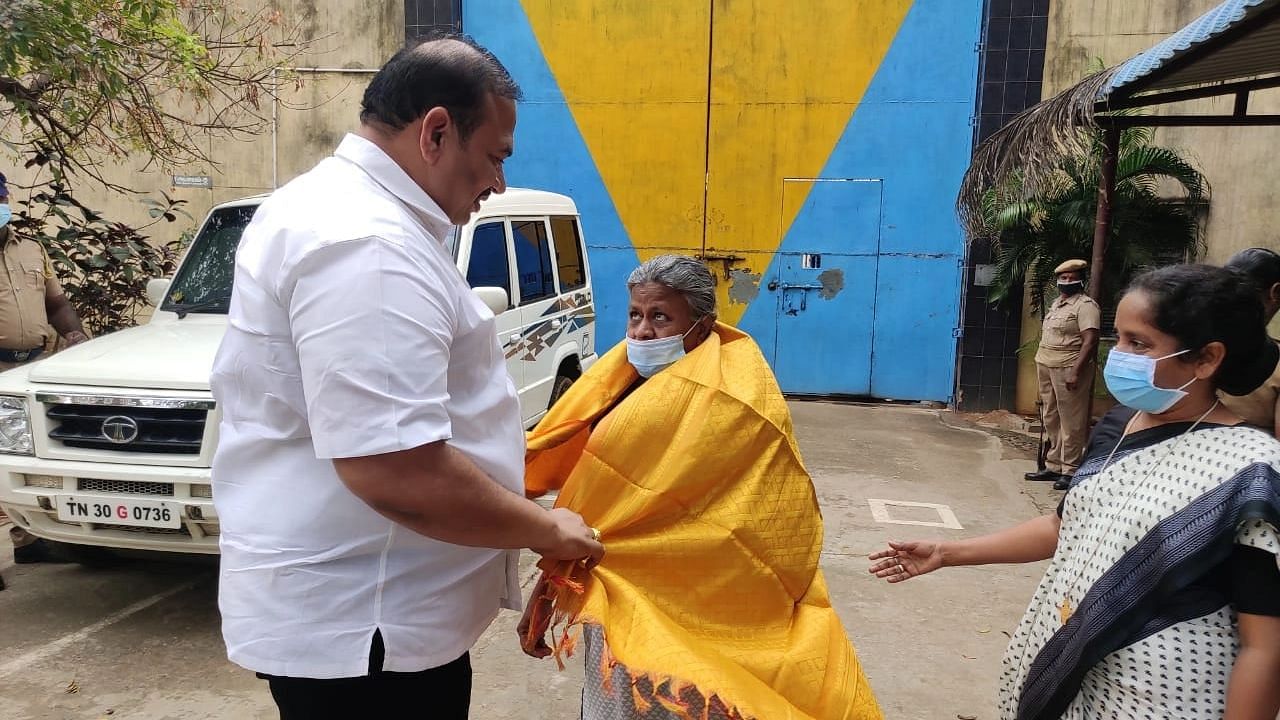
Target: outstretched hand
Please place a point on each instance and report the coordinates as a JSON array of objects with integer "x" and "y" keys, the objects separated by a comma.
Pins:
[{"x": 905, "y": 560}]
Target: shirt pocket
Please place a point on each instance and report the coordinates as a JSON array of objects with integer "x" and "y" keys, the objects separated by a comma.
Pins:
[
  {"x": 31, "y": 273},
  {"x": 1065, "y": 324}
]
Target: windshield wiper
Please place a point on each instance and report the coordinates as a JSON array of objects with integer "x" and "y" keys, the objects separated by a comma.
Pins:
[{"x": 185, "y": 309}]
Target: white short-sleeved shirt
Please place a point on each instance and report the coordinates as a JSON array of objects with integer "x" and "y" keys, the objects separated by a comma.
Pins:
[{"x": 352, "y": 333}]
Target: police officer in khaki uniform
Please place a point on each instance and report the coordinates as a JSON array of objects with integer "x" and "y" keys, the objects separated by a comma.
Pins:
[
  {"x": 33, "y": 313},
  {"x": 1065, "y": 368}
]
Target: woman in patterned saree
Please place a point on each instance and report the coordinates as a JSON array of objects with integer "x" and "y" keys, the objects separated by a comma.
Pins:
[{"x": 1162, "y": 599}]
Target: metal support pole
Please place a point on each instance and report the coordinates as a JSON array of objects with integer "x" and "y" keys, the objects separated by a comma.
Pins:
[
  {"x": 1241, "y": 108},
  {"x": 275, "y": 128},
  {"x": 1102, "y": 225},
  {"x": 275, "y": 108}
]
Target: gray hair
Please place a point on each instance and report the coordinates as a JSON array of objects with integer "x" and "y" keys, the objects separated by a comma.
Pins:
[{"x": 683, "y": 274}]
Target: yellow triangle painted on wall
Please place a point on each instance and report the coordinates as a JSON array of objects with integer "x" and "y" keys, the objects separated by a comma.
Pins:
[
  {"x": 635, "y": 77},
  {"x": 785, "y": 77}
]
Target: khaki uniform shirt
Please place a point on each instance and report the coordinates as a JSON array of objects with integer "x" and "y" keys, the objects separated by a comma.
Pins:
[
  {"x": 1258, "y": 407},
  {"x": 26, "y": 278},
  {"x": 1064, "y": 325}
]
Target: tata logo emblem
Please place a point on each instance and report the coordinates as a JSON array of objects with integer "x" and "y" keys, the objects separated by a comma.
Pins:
[{"x": 120, "y": 430}]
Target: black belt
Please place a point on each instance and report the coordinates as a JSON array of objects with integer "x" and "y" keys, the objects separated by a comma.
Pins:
[{"x": 20, "y": 356}]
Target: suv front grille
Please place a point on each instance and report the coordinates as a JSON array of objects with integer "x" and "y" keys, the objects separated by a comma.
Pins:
[
  {"x": 127, "y": 487},
  {"x": 128, "y": 429},
  {"x": 144, "y": 530}
]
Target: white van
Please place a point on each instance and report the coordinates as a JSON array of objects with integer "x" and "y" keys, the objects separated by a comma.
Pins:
[{"x": 109, "y": 443}]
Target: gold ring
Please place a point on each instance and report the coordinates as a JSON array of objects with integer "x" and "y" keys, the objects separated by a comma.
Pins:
[{"x": 595, "y": 534}]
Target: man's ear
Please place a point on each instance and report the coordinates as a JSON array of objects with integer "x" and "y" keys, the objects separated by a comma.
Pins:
[{"x": 436, "y": 125}]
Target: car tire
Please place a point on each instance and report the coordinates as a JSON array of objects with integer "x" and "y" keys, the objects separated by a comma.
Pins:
[{"x": 561, "y": 386}]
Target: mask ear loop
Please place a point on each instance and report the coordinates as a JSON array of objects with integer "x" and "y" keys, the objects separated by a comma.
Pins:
[
  {"x": 691, "y": 327},
  {"x": 1184, "y": 386}
]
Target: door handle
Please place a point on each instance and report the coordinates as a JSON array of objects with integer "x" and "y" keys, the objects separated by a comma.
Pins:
[
  {"x": 557, "y": 324},
  {"x": 515, "y": 337}
]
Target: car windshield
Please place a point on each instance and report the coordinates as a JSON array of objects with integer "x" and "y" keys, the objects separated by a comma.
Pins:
[{"x": 203, "y": 283}]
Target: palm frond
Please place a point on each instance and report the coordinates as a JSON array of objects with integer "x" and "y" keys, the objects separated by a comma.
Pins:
[
  {"x": 1078, "y": 215},
  {"x": 1134, "y": 137},
  {"x": 1033, "y": 188},
  {"x": 1159, "y": 162},
  {"x": 1025, "y": 212},
  {"x": 1032, "y": 146}
]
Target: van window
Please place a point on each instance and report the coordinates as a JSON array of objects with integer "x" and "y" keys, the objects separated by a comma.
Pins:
[
  {"x": 533, "y": 260},
  {"x": 564, "y": 232},
  {"x": 489, "y": 266}
]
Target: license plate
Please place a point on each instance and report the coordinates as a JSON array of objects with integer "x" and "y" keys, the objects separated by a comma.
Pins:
[{"x": 112, "y": 511}]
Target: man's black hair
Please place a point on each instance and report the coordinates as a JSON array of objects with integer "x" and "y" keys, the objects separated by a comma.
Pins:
[{"x": 450, "y": 71}]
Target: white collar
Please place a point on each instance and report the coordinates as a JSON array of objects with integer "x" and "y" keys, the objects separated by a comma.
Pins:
[{"x": 369, "y": 157}]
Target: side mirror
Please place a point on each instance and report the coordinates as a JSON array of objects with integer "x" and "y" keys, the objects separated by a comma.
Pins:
[
  {"x": 495, "y": 298},
  {"x": 156, "y": 290}
]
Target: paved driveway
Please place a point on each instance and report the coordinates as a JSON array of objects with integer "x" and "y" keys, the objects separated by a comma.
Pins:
[{"x": 141, "y": 640}]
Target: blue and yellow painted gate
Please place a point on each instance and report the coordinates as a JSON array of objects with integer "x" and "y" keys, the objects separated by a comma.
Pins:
[{"x": 808, "y": 150}]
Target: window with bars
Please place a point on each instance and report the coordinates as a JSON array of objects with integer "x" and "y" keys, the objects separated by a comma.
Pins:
[{"x": 424, "y": 17}]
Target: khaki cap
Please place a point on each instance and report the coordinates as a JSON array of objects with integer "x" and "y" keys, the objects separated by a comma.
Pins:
[{"x": 1071, "y": 266}]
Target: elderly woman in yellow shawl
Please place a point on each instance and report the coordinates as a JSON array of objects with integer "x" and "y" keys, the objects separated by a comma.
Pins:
[{"x": 709, "y": 603}]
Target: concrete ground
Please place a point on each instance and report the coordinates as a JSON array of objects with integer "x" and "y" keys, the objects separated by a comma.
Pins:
[{"x": 141, "y": 640}]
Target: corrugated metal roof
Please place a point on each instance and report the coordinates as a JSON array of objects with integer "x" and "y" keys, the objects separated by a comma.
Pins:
[{"x": 1254, "y": 53}]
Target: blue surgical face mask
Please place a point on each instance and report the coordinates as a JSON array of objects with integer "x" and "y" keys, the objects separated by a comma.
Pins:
[
  {"x": 6, "y": 214},
  {"x": 1132, "y": 380},
  {"x": 650, "y": 357}
]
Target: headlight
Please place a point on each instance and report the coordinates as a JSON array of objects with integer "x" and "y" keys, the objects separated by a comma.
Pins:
[{"x": 15, "y": 426}]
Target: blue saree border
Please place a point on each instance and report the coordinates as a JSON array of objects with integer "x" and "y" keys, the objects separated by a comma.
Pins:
[{"x": 1132, "y": 599}]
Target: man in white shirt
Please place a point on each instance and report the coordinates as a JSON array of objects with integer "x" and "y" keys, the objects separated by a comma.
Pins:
[{"x": 369, "y": 473}]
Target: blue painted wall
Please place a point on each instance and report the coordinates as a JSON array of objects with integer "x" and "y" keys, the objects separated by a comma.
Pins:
[{"x": 911, "y": 131}]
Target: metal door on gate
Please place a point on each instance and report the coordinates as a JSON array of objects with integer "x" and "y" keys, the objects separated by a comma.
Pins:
[{"x": 825, "y": 286}]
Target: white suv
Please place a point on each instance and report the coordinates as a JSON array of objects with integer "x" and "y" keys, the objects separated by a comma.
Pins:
[{"x": 109, "y": 443}]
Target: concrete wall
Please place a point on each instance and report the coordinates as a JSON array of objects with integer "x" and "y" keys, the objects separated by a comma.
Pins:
[
  {"x": 314, "y": 111},
  {"x": 1245, "y": 180}
]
